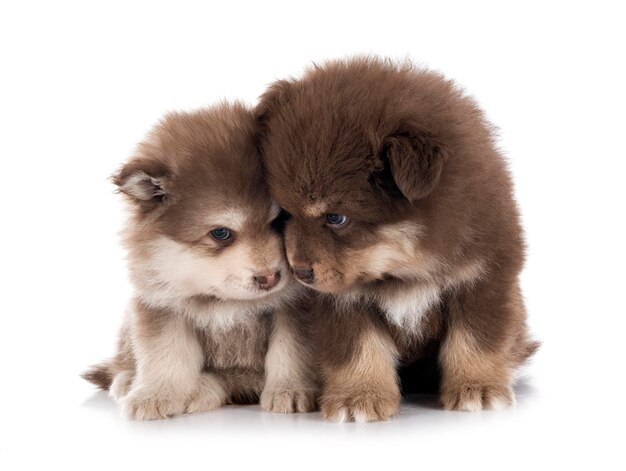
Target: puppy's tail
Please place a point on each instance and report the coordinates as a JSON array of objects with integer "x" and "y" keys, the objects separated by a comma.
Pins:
[
  {"x": 531, "y": 347},
  {"x": 525, "y": 349},
  {"x": 101, "y": 375}
]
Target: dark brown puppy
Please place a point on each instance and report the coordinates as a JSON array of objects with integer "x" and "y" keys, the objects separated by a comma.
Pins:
[{"x": 403, "y": 214}]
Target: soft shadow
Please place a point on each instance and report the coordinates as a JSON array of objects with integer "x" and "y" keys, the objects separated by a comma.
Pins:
[
  {"x": 426, "y": 401},
  {"x": 418, "y": 413},
  {"x": 100, "y": 401},
  {"x": 525, "y": 390}
]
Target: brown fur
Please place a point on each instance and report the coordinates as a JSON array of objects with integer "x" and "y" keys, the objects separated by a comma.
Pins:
[
  {"x": 200, "y": 325},
  {"x": 433, "y": 248},
  {"x": 100, "y": 375}
]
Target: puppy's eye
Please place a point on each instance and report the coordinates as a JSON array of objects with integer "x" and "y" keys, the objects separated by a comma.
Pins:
[
  {"x": 220, "y": 234},
  {"x": 336, "y": 220}
]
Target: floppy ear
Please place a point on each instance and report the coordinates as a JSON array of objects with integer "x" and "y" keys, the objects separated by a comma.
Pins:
[
  {"x": 144, "y": 181},
  {"x": 415, "y": 160}
]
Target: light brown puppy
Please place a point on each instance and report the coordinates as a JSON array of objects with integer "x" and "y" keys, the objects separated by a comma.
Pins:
[
  {"x": 402, "y": 214},
  {"x": 216, "y": 315}
]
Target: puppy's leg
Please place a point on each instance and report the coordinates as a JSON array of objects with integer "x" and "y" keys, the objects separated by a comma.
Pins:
[
  {"x": 289, "y": 382},
  {"x": 169, "y": 361},
  {"x": 477, "y": 356},
  {"x": 359, "y": 368},
  {"x": 211, "y": 393}
]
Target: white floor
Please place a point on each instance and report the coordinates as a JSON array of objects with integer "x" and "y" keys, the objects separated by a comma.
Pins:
[{"x": 76, "y": 427}]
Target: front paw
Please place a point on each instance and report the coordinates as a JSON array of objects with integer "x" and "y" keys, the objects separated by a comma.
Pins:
[
  {"x": 209, "y": 395},
  {"x": 362, "y": 405},
  {"x": 475, "y": 397},
  {"x": 286, "y": 400},
  {"x": 151, "y": 403}
]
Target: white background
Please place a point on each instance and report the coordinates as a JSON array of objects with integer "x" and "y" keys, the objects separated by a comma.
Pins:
[{"x": 81, "y": 83}]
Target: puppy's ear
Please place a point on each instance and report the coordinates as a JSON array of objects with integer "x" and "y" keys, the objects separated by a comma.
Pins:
[
  {"x": 415, "y": 161},
  {"x": 144, "y": 181}
]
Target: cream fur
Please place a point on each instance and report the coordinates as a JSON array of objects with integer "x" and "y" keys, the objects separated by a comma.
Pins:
[{"x": 168, "y": 370}]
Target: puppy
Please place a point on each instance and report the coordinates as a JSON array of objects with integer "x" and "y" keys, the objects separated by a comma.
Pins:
[
  {"x": 216, "y": 316},
  {"x": 402, "y": 214}
]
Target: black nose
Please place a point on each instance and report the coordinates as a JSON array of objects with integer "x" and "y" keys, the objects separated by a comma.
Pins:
[{"x": 304, "y": 274}]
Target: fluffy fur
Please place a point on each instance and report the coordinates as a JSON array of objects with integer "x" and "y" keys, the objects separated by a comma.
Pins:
[
  {"x": 427, "y": 265},
  {"x": 206, "y": 311}
]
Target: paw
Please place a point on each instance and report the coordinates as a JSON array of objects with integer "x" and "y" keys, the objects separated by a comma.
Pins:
[
  {"x": 121, "y": 385},
  {"x": 475, "y": 397},
  {"x": 360, "y": 406},
  {"x": 209, "y": 395},
  {"x": 150, "y": 404},
  {"x": 288, "y": 400}
]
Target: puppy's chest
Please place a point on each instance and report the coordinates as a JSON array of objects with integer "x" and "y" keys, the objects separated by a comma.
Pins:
[
  {"x": 241, "y": 345},
  {"x": 414, "y": 319},
  {"x": 408, "y": 308},
  {"x": 233, "y": 334}
]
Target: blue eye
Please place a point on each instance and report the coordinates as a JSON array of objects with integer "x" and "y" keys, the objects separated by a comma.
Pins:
[
  {"x": 336, "y": 220},
  {"x": 221, "y": 233}
]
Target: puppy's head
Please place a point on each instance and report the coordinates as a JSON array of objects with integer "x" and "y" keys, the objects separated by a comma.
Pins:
[
  {"x": 202, "y": 214},
  {"x": 355, "y": 152}
]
